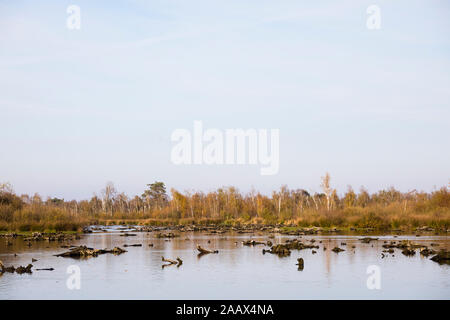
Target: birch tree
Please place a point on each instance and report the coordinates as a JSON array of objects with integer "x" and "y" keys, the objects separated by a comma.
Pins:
[{"x": 325, "y": 185}]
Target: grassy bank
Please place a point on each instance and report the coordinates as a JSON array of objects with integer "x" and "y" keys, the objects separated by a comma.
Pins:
[{"x": 359, "y": 218}]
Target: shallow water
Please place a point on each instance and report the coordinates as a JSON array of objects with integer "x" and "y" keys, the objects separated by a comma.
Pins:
[{"x": 236, "y": 272}]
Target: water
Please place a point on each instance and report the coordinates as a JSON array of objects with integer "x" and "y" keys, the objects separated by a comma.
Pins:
[{"x": 236, "y": 272}]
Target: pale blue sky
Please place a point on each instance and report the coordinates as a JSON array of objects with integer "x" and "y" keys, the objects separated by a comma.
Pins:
[{"x": 80, "y": 108}]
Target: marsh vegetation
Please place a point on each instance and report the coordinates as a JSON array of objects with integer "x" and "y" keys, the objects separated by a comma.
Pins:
[{"x": 384, "y": 210}]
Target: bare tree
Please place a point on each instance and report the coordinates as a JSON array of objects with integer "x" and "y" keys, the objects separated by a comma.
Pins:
[
  {"x": 108, "y": 195},
  {"x": 325, "y": 185}
]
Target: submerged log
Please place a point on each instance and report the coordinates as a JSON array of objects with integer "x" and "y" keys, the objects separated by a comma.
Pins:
[
  {"x": 4, "y": 269},
  {"x": 83, "y": 252},
  {"x": 368, "y": 239},
  {"x": 205, "y": 251},
  {"x": 408, "y": 252},
  {"x": 442, "y": 257},
  {"x": 426, "y": 252},
  {"x": 26, "y": 269},
  {"x": 37, "y": 236},
  {"x": 170, "y": 262},
  {"x": 300, "y": 264},
  {"x": 167, "y": 235},
  {"x": 116, "y": 251},
  {"x": 10, "y": 269},
  {"x": 78, "y": 252},
  {"x": 252, "y": 243},
  {"x": 405, "y": 244},
  {"x": 281, "y": 250},
  {"x": 18, "y": 270},
  {"x": 284, "y": 250},
  {"x": 298, "y": 245}
]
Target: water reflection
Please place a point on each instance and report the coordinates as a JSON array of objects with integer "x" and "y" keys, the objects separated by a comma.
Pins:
[{"x": 236, "y": 272}]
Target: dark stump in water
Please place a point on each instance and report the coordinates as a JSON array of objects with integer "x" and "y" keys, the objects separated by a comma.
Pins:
[
  {"x": 300, "y": 263},
  {"x": 408, "y": 252},
  {"x": 443, "y": 257}
]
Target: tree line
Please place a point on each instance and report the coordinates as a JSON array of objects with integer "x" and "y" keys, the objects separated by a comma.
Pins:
[{"x": 388, "y": 208}]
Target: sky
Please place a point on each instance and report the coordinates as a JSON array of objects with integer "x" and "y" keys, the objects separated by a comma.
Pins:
[{"x": 79, "y": 108}]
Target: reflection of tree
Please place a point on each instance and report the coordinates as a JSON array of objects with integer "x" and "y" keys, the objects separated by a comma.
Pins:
[{"x": 327, "y": 257}]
